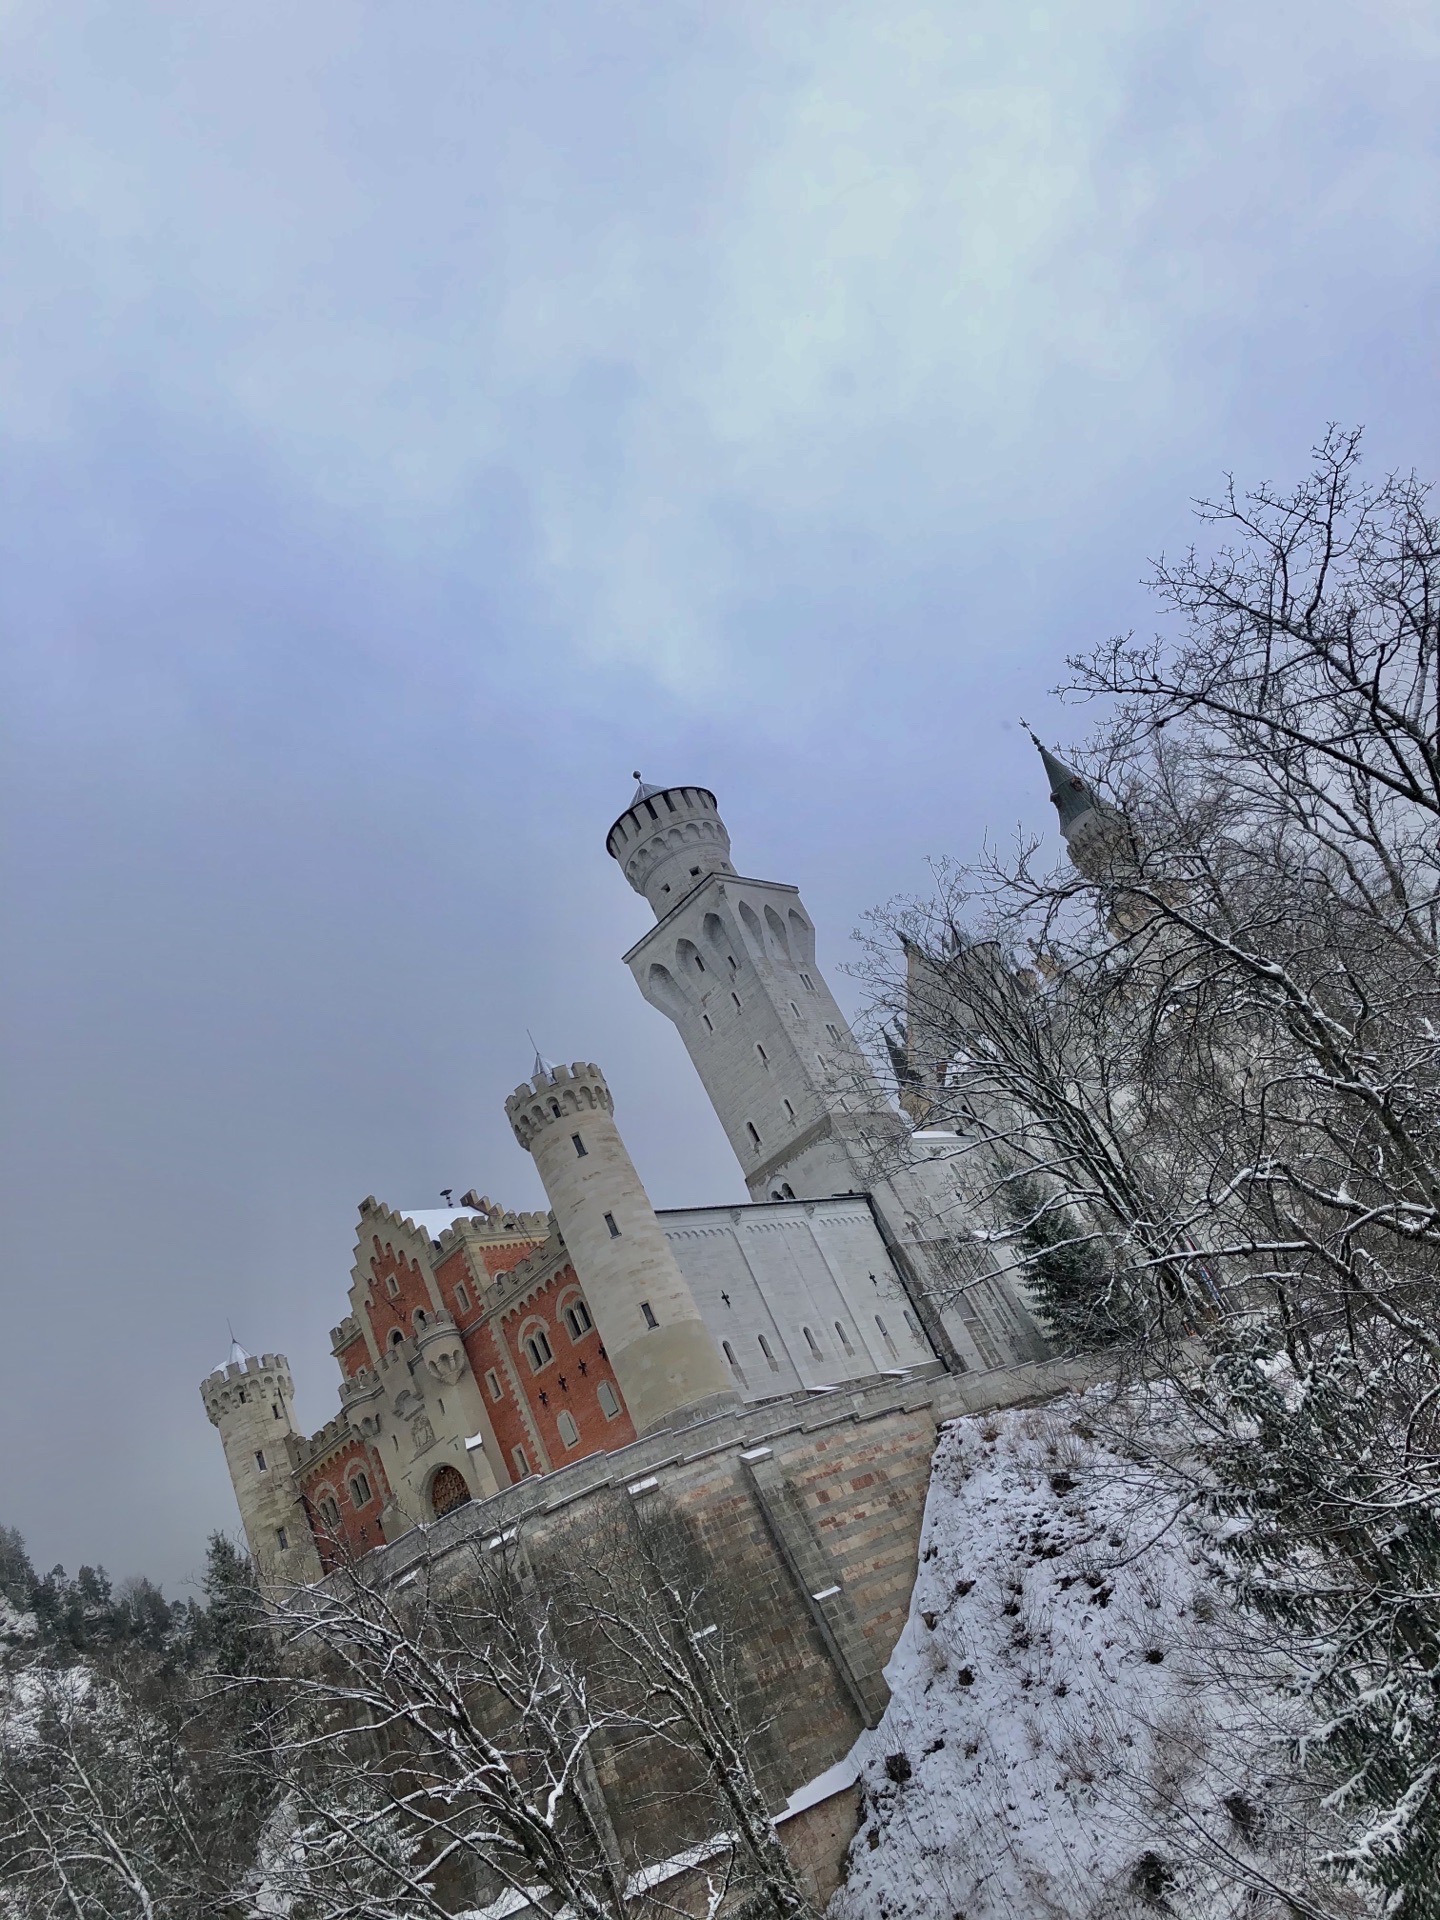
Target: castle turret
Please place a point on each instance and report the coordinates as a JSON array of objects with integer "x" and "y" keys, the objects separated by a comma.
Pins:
[
  {"x": 1097, "y": 835},
  {"x": 251, "y": 1402},
  {"x": 665, "y": 1358},
  {"x": 667, "y": 840}
]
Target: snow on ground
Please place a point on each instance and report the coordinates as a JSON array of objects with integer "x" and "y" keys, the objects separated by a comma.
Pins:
[{"x": 1075, "y": 1728}]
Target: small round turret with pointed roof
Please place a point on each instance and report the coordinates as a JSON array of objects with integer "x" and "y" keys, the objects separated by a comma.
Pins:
[
  {"x": 1096, "y": 834},
  {"x": 667, "y": 840}
]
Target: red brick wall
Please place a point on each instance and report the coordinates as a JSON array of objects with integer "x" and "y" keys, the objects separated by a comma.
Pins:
[
  {"x": 359, "y": 1528},
  {"x": 482, "y": 1349},
  {"x": 387, "y": 1313},
  {"x": 354, "y": 1357},
  {"x": 570, "y": 1380}
]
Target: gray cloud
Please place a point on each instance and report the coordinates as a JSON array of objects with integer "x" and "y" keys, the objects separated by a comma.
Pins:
[{"x": 420, "y": 417}]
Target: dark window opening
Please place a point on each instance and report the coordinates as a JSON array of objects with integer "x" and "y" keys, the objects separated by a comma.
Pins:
[
  {"x": 649, "y": 1313},
  {"x": 282, "y": 1538},
  {"x": 579, "y": 1145},
  {"x": 610, "y": 1223},
  {"x": 259, "y": 1460}
]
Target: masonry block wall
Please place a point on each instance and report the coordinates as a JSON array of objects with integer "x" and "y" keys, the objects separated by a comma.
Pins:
[{"x": 808, "y": 1512}]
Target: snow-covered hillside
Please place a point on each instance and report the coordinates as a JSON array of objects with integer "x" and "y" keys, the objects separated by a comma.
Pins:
[{"x": 1076, "y": 1728}]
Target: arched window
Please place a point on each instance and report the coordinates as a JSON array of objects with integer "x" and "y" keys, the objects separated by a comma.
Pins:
[
  {"x": 765, "y": 1349},
  {"x": 421, "y": 1318},
  {"x": 735, "y": 1366},
  {"x": 885, "y": 1336},
  {"x": 565, "y": 1423},
  {"x": 397, "y": 1334},
  {"x": 577, "y": 1318},
  {"x": 328, "y": 1508},
  {"x": 754, "y": 1133},
  {"x": 537, "y": 1349},
  {"x": 448, "y": 1490},
  {"x": 812, "y": 1343},
  {"x": 359, "y": 1489},
  {"x": 843, "y": 1338}
]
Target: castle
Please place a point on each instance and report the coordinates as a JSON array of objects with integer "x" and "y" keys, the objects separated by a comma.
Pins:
[{"x": 484, "y": 1347}]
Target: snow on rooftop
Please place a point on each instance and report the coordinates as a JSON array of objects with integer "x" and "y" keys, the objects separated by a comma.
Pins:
[{"x": 434, "y": 1220}]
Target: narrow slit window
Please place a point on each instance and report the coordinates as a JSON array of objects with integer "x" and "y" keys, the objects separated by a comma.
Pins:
[
  {"x": 275, "y": 1409},
  {"x": 885, "y": 1336},
  {"x": 462, "y": 1296},
  {"x": 579, "y": 1146},
  {"x": 789, "y": 1111},
  {"x": 492, "y": 1382},
  {"x": 771, "y": 1361},
  {"x": 794, "y": 1009},
  {"x": 260, "y": 1461},
  {"x": 754, "y": 1133},
  {"x": 610, "y": 1223},
  {"x": 735, "y": 1366},
  {"x": 709, "y": 1023},
  {"x": 812, "y": 1343},
  {"x": 843, "y": 1338},
  {"x": 282, "y": 1538},
  {"x": 736, "y": 998},
  {"x": 392, "y": 1285},
  {"x": 807, "y": 983},
  {"x": 764, "y": 1057},
  {"x": 649, "y": 1312}
]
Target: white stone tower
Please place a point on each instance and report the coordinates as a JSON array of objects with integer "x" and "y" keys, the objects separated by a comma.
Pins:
[
  {"x": 731, "y": 961},
  {"x": 251, "y": 1402},
  {"x": 665, "y": 1358}
]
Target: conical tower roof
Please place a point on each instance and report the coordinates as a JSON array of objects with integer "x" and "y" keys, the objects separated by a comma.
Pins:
[{"x": 1069, "y": 793}]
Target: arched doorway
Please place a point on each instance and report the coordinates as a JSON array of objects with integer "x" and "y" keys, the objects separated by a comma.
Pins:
[{"x": 448, "y": 1490}]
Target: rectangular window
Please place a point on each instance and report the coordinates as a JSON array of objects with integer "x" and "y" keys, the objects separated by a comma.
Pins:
[
  {"x": 259, "y": 1460},
  {"x": 649, "y": 1313},
  {"x": 579, "y": 1145},
  {"x": 282, "y": 1539},
  {"x": 609, "y": 1400},
  {"x": 392, "y": 1285},
  {"x": 462, "y": 1296},
  {"x": 569, "y": 1432},
  {"x": 492, "y": 1381},
  {"x": 610, "y": 1223},
  {"x": 522, "y": 1465}
]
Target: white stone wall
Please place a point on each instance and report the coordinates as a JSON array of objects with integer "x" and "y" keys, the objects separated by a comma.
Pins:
[
  {"x": 663, "y": 1355},
  {"x": 770, "y": 1272},
  {"x": 734, "y": 967}
]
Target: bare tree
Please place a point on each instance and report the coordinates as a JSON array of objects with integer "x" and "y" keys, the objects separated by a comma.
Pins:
[
  {"x": 659, "y": 1626},
  {"x": 1213, "y": 1051}
]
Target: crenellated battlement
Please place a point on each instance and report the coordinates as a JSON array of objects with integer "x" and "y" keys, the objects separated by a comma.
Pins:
[
  {"x": 560, "y": 1094},
  {"x": 245, "y": 1382},
  {"x": 667, "y": 840}
]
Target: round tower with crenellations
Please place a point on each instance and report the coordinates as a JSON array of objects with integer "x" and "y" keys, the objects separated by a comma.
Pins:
[
  {"x": 250, "y": 1401},
  {"x": 667, "y": 840},
  {"x": 665, "y": 1358}
]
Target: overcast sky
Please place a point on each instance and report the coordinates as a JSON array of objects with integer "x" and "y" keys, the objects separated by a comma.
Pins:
[{"x": 418, "y": 416}]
